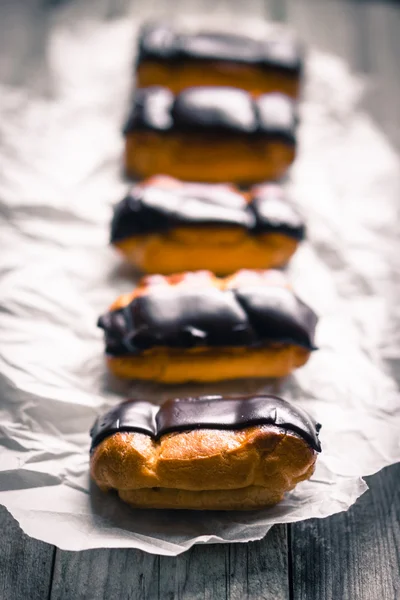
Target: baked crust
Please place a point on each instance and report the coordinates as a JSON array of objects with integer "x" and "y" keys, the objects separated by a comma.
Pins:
[
  {"x": 204, "y": 363},
  {"x": 203, "y": 469},
  {"x": 221, "y": 250},
  {"x": 166, "y": 226},
  {"x": 168, "y": 365},
  {"x": 214, "y": 159}
]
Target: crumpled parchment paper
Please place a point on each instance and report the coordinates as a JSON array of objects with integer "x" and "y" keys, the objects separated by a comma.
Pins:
[{"x": 60, "y": 156}]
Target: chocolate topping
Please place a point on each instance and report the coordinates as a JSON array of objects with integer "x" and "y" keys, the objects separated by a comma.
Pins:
[
  {"x": 227, "y": 109},
  {"x": 220, "y": 110},
  {"x": 185, "y": 317},
  {"x": 208, "y": 412},
  {"x": 276, "y": 314},
  {"x": 152, "y": 209},
  {"x": 161, "y": 42},
  {"x": 275, "y": 214}
]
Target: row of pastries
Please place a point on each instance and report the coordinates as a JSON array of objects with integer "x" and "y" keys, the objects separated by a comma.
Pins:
[{"x": 211, "y": 131}]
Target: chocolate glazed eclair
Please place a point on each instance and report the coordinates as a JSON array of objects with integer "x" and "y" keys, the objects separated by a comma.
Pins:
[
  {"x": 167, "y": 226},
  {"x": 196, "y": 327},
  {"x": 210, "y": 135},
  {"x": 208, "y": 453},
  {"x": 179, "y": 59}
]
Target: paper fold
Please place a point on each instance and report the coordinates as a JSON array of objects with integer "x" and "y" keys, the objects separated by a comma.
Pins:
[{"x": 60, "y": 155}]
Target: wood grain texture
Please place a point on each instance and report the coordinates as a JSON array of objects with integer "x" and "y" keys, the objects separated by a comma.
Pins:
[
  {"x": 331, "y": 26},
  {"x": 353, "y": 555},
  {"x": 255, "y": 571},
  {"x": 366, "y": 35},
  {"x": 25, "y": 563},
  {"x": 381, "y": 58}
]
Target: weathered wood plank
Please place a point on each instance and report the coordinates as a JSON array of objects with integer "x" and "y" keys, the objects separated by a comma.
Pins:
[
  {"x": 96, "y": 574},
  {"x": 25, "y": 564},
  {"x": 381, "y": 58},
  {"x": 353, "y": 555},
  {"x": 330, "y": 25},
  {"x": 23, "y": 39},
  {"x": 365, "y": 34},
  {"x": 255, "y": 571}
]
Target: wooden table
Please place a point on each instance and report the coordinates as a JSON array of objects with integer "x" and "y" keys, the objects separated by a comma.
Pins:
[{"x": 351, "y": 556}]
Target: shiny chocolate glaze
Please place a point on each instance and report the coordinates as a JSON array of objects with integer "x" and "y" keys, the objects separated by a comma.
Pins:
[
  {"x": 207, "y": 412},
  {"x": 154, "y": 209},
  {"x": 213, "y": 110},
  {"x": 163, "y": 43},
  {"x": 174, "y": 316}
]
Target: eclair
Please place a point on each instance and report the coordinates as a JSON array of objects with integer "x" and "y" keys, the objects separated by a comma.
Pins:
[
  {"x": 166, "y": 226},
  {"x": 197, "y": 327},
  {"x": 210, "y": 135},
  {"x": 177, "y": 59},
  {"x": 207, "y": 453}
]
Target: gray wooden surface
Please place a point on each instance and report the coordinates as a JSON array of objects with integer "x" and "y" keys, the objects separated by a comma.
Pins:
[{"x": 351, "y": 556}]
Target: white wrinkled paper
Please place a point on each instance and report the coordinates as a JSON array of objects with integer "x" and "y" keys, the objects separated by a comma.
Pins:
[{"x": 60, "y": 157}]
